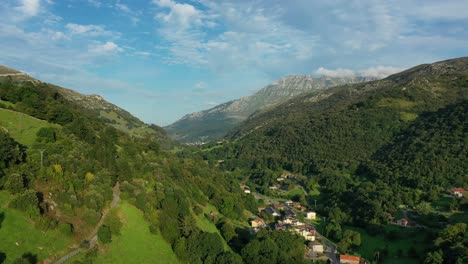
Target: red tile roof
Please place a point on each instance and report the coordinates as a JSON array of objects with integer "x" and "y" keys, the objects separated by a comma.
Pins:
[
  {"x": 460, "y": 190},
  {"x": 349, "y": 258}
]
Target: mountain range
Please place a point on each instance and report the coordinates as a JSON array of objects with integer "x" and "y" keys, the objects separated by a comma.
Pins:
[{"x": 204, "y": 126}]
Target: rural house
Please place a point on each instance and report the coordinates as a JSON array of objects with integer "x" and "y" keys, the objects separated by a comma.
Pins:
[
  {"x": 316, "y": 247},
  {"x": 347, "y": 259},
  {"x": 311, "y": 215},
  {"x": 458, "y": 192}
]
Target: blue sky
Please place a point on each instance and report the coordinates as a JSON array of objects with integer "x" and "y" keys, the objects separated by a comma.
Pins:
[{"x": 162, "y": 59}]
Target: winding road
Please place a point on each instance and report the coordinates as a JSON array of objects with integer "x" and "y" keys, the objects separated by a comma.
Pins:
[{"x": 92, "y": 238}]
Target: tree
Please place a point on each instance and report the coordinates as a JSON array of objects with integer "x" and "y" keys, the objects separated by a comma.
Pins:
[
  {"x": 11, "y": 152},
  {"x": 104, "y": 234},
  {"x": 46, "y": 135},
  {"x": 14, "y": 183},
  {"x": 228, "y": 231},
  {"x": 434, "y": 258}
]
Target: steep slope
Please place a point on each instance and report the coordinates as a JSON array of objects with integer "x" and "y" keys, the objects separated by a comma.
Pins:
[
  {"x": 343, "y": 126},
  {"x": 75, "y": 167},
  {"x": 214, "y": 123},
  {"x": 107, "y": 112}
]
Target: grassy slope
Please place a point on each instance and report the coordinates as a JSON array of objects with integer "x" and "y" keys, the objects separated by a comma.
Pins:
[
  {"x": 136, "y": 244},
  {"x": 410, "y": 238},
  {"x": 21, "y": 127},
  {"x": 206, "y": 225},
  {"x": 17, "y": 228}
]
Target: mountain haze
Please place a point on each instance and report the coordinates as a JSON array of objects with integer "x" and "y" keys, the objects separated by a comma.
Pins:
[{"x": 215, "y": 122}]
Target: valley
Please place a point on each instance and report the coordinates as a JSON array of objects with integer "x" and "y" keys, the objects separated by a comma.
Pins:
[{"x": 373, "y": 172}]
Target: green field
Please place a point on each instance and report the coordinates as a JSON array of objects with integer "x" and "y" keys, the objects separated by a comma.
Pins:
[
  {"x": 21, "y": 127},
  {"x": 19, "y": 236},
  {"x": 294, "y": 192},
  {"x": 206, "y": 225},
  {"x": 408, "y": 238},
  {"x": 136, "y": 244}
]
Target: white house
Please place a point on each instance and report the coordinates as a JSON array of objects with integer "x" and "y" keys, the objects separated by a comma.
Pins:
[
  {"x": 311, "y": 215},
  {"x": 316, "y": 247}
]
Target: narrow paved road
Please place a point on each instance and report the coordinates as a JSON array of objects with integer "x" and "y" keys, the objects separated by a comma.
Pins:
[
  {"x": 331, "y": 250},
  {"x": 92, "y": 238}
]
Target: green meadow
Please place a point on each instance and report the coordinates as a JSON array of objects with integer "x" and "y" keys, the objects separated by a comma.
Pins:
[
  {"x": 136, "y": 244},
  {"x": 399, "y": 249},
  {"x": 21, "y": 127},
  {"x": 18, "y": 235}
]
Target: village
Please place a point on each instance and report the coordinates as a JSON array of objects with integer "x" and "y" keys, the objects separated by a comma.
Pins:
[
  {"x": 289, "y": 216},
  {"x": 295, "y": 217}
]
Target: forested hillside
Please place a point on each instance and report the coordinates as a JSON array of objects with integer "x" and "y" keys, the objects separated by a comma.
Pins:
[
  {"x": 69, "y": 188},
  {"x": 370, "y": 150}
]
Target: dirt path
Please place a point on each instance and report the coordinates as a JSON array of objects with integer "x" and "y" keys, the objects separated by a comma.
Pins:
[{"x": 92, "y": 237}]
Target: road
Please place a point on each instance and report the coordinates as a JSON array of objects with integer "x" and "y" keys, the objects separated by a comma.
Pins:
[
  {"x": 92, "y": 237},
  {"x": 331, "y": 250}
]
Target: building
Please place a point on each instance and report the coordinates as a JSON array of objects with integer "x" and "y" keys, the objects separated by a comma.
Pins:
[
  {"x": 274, "y": 187},
  {"x": 214, "y": 213},
  {"x": 279, "y": 207},
  {"x": 311, "y": 215},
  {"x": 288, "y": 203},
  {"x": 271, "y": 211},
  {"x": 316, "y": 247},
  {"x": 403, "y": 222},
  {"x": 458, "y": 192},
  {"x": 289, "y": 214},
  {"x": 347, "y": 259},
  {"x": 258, "y": 223}
]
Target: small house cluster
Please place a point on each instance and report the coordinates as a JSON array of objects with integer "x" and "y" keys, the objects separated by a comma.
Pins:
[
  {"x": 286, "y": 219},
  {"x": 458, "y": 192}
]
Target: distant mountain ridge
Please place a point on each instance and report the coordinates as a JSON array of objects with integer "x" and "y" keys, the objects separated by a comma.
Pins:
[{"x": 215, "y": 122}]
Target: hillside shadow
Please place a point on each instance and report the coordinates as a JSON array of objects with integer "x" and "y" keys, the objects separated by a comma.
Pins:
[
  {"x": 30, "y": 257},
  {"x": 2, "y": 257},
  {"x": 2, "y": 218}
]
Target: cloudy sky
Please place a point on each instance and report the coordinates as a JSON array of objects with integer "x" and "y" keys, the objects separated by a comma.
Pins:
[{"x": 162, "y": 59}]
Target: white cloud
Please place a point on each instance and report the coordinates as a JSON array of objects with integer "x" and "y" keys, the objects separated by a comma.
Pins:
[
  {"x": 95, "y": 3},
  {"x": 143, "y": 53},
  {"x": 122, "y": 7},
  {"x": 107, "y": 48},
  {"x": 89, "y": 30},
  {"x": 375, "y": 72},
  {"x": 127, "y": 11},
  {"x": 246, "y": 36},
  {"x": 211, "y": 103},
  {"x": 29, "y": 8},
  {"x": 180, "y": 15},
  {"x": 335, "y": 73},
  {"x": 380, "y": 71},
  {"x": 200, "y": 85}
]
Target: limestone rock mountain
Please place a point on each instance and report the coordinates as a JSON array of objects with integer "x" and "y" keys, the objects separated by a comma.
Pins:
[{"x": 213, "y": 123}]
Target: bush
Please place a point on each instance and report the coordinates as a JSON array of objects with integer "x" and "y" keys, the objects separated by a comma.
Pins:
[
  {"x": 104, "y": 234},
  {"x": 198, "y": 210},
  {"x": 46, "y": 135}
]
